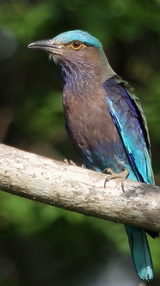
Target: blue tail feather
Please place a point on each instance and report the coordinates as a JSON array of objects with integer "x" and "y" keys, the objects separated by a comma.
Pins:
[{"x": 140, "y": 252}]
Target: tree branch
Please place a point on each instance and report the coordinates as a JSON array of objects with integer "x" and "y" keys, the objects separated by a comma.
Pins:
[{"x": 77, "y": 189}]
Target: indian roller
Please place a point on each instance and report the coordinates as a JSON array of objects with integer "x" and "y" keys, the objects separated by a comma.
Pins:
[{"x": 104, "y": 120}]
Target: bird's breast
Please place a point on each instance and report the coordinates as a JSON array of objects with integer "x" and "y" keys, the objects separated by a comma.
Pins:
[
  {"x": 88, "y": 119},
  {"x": 92, "y": 130}
]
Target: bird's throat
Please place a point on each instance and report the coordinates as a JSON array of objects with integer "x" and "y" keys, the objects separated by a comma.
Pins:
[{"x": 80, "y": 82}]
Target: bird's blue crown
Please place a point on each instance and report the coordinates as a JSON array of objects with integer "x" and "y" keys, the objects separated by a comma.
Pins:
[{"x": 78, "y": 35}]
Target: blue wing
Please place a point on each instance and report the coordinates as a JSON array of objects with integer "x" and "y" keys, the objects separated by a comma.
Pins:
[{"x": 129, "y": 119}]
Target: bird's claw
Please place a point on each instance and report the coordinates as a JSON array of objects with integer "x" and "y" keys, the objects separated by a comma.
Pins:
[
  {"x": 68, "y": 162},
  {"x": 123, "y": 175}
]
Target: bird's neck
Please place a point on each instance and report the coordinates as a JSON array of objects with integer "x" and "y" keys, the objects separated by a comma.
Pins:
[{"x": 84, "y": 77}]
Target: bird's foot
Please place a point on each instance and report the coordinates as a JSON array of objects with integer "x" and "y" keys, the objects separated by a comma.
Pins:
[
  {"x": 68, "y": 162},
  {"x": 123, "y": 175}
]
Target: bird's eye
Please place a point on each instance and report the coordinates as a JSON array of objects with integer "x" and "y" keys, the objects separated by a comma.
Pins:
[{"x": 76, "y": 45}]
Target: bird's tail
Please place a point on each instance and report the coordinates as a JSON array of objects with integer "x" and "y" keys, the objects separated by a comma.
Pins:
[{"x": 140, "y": 252}]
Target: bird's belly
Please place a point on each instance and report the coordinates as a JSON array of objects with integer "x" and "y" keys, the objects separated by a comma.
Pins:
[{"x": 95, "y": 136}]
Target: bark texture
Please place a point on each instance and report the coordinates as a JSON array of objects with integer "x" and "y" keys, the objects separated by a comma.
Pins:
[{"x": 77, "y": 189}]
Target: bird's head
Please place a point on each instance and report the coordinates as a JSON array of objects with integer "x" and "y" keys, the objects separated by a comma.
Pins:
[{"x": 76, "y": 50}]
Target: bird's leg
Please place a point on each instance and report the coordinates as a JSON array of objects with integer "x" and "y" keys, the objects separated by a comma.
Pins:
[{"x": 123, "y": 175}]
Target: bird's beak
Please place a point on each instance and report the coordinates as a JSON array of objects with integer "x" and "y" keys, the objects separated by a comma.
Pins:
[{"x": 46, "y": 45}]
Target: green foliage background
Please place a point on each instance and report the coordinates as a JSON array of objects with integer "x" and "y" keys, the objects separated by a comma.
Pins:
[{"x": 42, "y": 245}]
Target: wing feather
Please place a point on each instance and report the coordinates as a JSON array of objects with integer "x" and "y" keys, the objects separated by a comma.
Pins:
[{"x": 130, "y": 121}]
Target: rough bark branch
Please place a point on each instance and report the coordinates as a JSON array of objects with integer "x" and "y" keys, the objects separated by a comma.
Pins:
[{"x": 77, "y": 189}]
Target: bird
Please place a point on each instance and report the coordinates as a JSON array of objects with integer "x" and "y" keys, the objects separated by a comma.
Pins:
[{"x": 104, "y": 120}]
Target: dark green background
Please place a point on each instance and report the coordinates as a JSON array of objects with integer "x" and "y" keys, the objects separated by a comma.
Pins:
[{"x": 42, "y": 245}]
